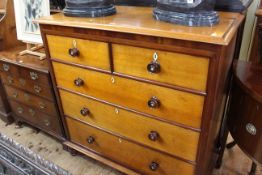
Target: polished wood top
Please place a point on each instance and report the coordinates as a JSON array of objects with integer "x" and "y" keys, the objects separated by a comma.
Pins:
[
  {"x": 249, "y": 76},
  {"x": 139, "y": 20},
  {"x": 12, "y": 56}
]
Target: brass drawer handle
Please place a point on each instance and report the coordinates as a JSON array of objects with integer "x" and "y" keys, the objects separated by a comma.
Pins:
[
  {"x": 32, "y": 112},
  {"x": 153, "y": 166},
  {"x": 20, "y": 110},
  {"x": 153, "y": 136},
  {"x": 15, "y": 95},
  {"x": 79, "y": 82},
  {"x": 22, "y": 81},
  {"x": 37, "y": 89},
  {"x": 251, "y": 129},
  {"x": 153, "y": 102},
  {"x": 33, "y": 75},
  {"x": 84, "y": 111},
  {"x": 90, "y": 140},
  {"x": 6, "y": 67},
  {"x": 42, "y": 105},
  {"x": 154, "y": 66},
  {"x": 47, "y": 122},
  {"x": 10, "y": 80}
]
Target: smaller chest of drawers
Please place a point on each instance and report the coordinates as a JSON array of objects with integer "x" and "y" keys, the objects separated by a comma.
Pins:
[{"x": 29, "y": 91}]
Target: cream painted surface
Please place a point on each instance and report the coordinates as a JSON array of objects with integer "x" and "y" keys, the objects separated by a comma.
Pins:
[{"x": 249, "y": 31}]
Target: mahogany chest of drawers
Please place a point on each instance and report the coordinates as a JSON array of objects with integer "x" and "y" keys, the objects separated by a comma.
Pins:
[
  {"x": 29, "y": 91},
  {"x": 5, "y": 110},
  {"x": 142, "y": 96}
]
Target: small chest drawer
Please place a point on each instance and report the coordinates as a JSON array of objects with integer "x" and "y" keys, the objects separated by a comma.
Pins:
[
  {"x": 167, "y": 67},
  {"x": 31, "y": 100},
  {"x": 166, "y": 137},
  {"x": 28, "y": 85},
  {"x": 43, "y": 121},
  {"x": 8, "y": 68},
  {"x": 168, "y": 104},
  {"x": 79, "y": 51},
  {"x": 34, "y": 75},
  {"x": 127, "y": 153}
]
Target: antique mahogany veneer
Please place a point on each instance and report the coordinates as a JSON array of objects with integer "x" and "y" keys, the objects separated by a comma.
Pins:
[
  {"x": 142, "y": 96},
  {"x": 29, "y": 91}
]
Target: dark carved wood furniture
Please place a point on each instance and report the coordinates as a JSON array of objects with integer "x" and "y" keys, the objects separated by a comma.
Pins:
[
  {"x": 29, "y": 90},
  {"x": 140, "y": 95},
  {"x": 245, "y": 111},
  {"x": 5, "y": 110},
  {"x": 256, "y": 51}
]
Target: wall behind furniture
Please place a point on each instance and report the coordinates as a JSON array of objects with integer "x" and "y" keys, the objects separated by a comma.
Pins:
[{"x": 249, "y": 31}]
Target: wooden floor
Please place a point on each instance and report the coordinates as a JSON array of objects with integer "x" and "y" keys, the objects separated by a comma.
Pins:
[{"x": 234, "y": 163}]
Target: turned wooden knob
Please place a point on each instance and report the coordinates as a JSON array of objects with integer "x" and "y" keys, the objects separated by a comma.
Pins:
[
  {"x": 153, "y": 103},
  {"x": 73, "y": 52},
  {"x": 153, "y": 166},
  {"x": 90, "y": 140},
  {"x": 84, "y": 111},
  {"x": 153, "y": 135},
  {"x": 153, "y": 67},
  {"x": 79, "y": 82}
]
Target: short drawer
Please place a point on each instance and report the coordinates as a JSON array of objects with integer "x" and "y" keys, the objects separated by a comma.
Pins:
[
  {"x": 29, "y": 86},
  {"x": 36, "y": 76},
  {"x": 33, "y": 116},
  {"x": 166, "y": 137},
  {"x": 166, "y": 67},
  {"x": 141, "y": 159},
  {"x": 165, "y": 103},
  {"x": 89, "y": 53},
  {"x": 8, "y": 68},
  {"x": 31, "y": 100}
]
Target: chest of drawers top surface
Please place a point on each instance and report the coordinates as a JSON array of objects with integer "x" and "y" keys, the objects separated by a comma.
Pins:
[
  {"x": 141, "y": 21},
  {"x": 12, "y": 57}
]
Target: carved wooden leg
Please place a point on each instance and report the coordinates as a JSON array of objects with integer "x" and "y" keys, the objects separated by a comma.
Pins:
[
  {"x": 18, "y": 124},
  {"x": 253, "y": 169},
  {"x": 231, "y": 144}
]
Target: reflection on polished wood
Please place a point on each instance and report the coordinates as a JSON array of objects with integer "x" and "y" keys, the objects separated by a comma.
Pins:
[{"x": 139, "y": 20}]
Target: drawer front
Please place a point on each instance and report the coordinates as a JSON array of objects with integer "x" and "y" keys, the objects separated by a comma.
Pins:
[
  {"x": 89, "y": 53},
  {"x": 167, "y": 67},
  {"x": 8, "y": 68},
  {"x": 31, "y": 100},
  {"x": 165, "y": 103},
  {"x": 125, "y": 152},
  {"x": 35, "y": 76},
  {"x": 159, "y": 135},
  {"x": 36, "y": 118},
  {"x": 29, "y": 86}
]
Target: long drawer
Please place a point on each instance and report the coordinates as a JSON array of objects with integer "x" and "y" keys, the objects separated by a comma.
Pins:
[
  {"x": 87, "y": 52},
  {"x": 159, "y": 135},
  {"x": 127, "y": 153},
  {"x": 41, "y": 120},
  {"x": 167, "y": 67},
  {"x": 29, "y": 99},
  {"x": 165, "y": 103},
  {"x": 29, "y": 86}
]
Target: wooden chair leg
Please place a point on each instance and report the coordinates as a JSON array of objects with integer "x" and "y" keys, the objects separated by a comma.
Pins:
[{"x": 253, "y": 169}]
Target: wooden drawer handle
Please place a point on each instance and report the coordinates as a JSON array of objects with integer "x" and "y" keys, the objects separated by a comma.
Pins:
[
  {"x": 84, "y": 111},
  {"x": 73, "y": 52},
  {"x": 90, "y": 140},
  {"x": 153, "y": 166},
  {"x": 153, "y": 136},
  {"x": 33, "y": 75},
  {"x": 153, "y": 67},
  {"x": 153, "y": 103},
  {"x": 79, "y": 82}
]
